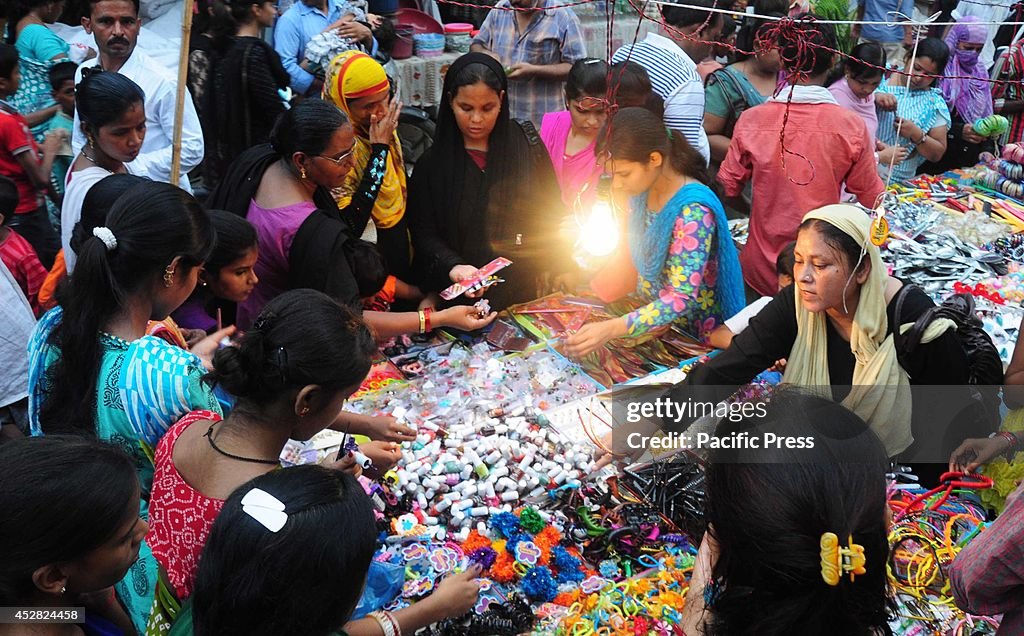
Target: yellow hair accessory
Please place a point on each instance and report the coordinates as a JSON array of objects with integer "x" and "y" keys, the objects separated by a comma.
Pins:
[{"x": 836, "y": 560}]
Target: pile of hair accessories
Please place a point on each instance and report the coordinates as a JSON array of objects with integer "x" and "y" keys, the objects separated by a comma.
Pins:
[
  {"x": 929, "y": 529},
  {"x": 650, "y": 603}
]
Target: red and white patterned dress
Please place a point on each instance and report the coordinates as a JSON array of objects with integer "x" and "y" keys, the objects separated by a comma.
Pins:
[{"x": 180, "y": 517}]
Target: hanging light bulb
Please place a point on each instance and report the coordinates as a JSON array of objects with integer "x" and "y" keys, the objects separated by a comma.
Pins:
[{"x": 599, "y": 231}]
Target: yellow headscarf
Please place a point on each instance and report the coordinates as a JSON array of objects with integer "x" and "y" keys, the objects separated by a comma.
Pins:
[
  {"x": 352, "y": 75},
  {"x": 881, "y": 388}
]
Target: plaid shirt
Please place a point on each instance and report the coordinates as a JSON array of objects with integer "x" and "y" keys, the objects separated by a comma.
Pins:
[
  {"x": 552, "y": 37},
  {"x": 1013, "y": 89},
  {"x": 987, "y": 576}
]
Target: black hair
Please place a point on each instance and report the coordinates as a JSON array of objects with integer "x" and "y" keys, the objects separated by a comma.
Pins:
[
  {"x": 751, "y": 30},
  {"x": 19, "y": 9},
  {"x": 9, "y": 57},
  {"x": 235, "y": 236},
  {"x": 153, "y": 223},
  {"x": 313, "y": 592},
  {"x": 838, "y": 240},
  {"x": 681, "y": 17},
  {"x": 729, "y": 26},
  {"x": 866, "y": 62},
  {"x": 61, "y": 72},
  {"x": 8, "y": 198},
  {"x": 93, "y": 3},
  {"x": 62, "y": 498},
  {"x": 102, "y": 98},
  {"x": 634, "y": 133},
  {"x": 97, "y": 203},
  {"x": 631, "y": 85},
  {"x": 784, "y": 261},
  {"x": 473, "y": 74},
  {"x": 587, "y": 78},
  {"x": 768, "y": 508},
  {"x": 301, "y": 337},
  {"x": 306, "y": 128},
  {"x": 934, "y": 49},
  {"x": 227, "y": 17},
  {"x": 795, "y": 46}
]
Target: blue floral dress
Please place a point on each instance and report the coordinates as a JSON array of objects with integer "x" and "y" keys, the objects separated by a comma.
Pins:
[{"x": 684, "y": 292}]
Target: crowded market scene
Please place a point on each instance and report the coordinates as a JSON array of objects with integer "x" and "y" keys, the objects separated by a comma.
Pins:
[{"x": 511, "y": 317}]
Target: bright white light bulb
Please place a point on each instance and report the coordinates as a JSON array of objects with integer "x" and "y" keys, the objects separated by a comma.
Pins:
[{"x": 600, "y": 233}]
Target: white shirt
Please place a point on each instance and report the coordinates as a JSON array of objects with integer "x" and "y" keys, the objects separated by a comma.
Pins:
[
  {"x": 675, "y": 78},
  {"x": 18, "y": 323},
  {"x": 986, "y": 11},
  {"x": 159, "y": 87},
  {"x": 76, "y": 187}
]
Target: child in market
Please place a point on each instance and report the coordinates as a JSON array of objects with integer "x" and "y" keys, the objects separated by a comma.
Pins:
[
  {"x": 290, "y": 373},
  {"x": 227, "y": 277},
  {"x": 722, "y": 336},
  {"x": 912, "y": 113},
  {"x": 70, "y": 527},
  {"x": 16, "y": 253},
  {"x": 21, "y": 162},
  {"x": 777, "y": 518},
  {"x": 62, "y": 81}
]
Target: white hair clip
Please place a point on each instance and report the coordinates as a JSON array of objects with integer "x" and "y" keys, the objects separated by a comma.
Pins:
[
  {"x": 265, "y": 508},
  {"x": 104, "y": 234}
]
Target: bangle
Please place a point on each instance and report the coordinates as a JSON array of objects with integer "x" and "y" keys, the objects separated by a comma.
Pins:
[
  {"x": 426, "y": 319},
  {"x": 1011, "y": 440},
  {"x": 423, "y": 321},
  {"x": 385, "y": 622},
  {"x": 924, "y": 138}
]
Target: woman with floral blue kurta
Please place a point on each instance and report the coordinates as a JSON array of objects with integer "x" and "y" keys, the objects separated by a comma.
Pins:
[{"x": 679, "y": 239}]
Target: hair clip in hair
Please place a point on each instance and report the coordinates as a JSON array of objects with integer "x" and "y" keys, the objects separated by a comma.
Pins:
[
  {"x": 104, "y": 234},
  {"x": 265, "y": 508},
  {"x": 837, "y": 560},
  {"x": 263, "y": 320}
]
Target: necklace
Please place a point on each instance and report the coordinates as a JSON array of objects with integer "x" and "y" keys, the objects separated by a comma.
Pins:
[{"x": 252, "y": 460}]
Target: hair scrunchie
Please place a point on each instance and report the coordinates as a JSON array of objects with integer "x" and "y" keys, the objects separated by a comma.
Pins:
[{"x": 104, "y": 234}]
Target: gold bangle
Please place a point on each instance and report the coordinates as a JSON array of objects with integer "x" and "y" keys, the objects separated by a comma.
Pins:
[{"x": 423, "y": 321}]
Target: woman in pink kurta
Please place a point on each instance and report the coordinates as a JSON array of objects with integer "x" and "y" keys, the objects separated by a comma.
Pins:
[{"x": 571, "y": 135}]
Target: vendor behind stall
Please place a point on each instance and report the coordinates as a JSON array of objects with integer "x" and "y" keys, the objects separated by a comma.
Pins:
[
  {"x": 679, "y": 238},
  {"x": 835, "y": 328}
]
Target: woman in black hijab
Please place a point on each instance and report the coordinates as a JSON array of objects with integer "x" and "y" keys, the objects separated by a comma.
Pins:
[{"x": 485, "y": 189}]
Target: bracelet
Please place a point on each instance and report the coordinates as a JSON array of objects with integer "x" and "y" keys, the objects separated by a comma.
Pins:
[
  {"x": 426, "y": 319},
  {"x": 386, "y": 622},
  {"x": 423, "y": 321},
  {"x": 924, "y": 138},
  {"x": 1011, "y": 440}
]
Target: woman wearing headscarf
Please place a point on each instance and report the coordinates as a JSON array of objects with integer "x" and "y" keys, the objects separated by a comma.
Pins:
[
  {"x": 358, "y": 85},
  {"x": 485, "y": 189},
  {"x": 967, "y": 91},
  {"x": 835, "y": 327}
]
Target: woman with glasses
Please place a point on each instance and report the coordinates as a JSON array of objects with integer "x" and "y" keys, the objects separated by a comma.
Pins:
[{"x": 284, "y": 190}]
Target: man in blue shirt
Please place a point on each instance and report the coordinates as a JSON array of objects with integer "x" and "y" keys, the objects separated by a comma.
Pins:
[
  {"x": 891, "y": 38},
  {"x": 307, "y": 18}
]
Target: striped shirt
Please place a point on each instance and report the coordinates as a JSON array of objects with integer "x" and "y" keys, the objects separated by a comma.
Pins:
[
  {"x": 926, "y": 108},
  {"x": 674, "y": 77},
  {"x": 553, "y": 37}
]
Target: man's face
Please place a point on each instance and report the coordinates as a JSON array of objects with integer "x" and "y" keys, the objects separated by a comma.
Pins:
[{"x": 115, "y": 25}]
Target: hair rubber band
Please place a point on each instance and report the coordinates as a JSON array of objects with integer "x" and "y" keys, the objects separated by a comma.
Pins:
[{"x": 104, "y": 234}]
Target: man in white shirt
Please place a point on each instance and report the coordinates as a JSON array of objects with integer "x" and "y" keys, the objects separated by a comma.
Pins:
[
  {"x": 672, "y": 65},
  {"x": 115, "y": 26}
]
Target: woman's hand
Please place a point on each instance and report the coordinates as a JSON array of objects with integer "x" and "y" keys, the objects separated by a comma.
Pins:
[
  {"x": 192, "y": 336},
  {"x": 464, "y": 317},
  {"x": 885, "y": 101},
  {"x": 208, "y": 346},
  {"x": 695, "y": 608},
  {"x": 355, "y": 31},
  {"x": 347, "y": 464},
  {"x": 457, "y": 594},
  {"x": 460, "y": 273},
  {"x": 970, "y": 455},
  {"x": 385, "y": 428},
  {"x": 970, "y": 136},
  {"x": 384, "y": 455},
  {"x": 382, "y": 131},
  {"x": 890, "y": 154},
  {"x": 907, "y": 129},
  {"x": 592, "y": 336}
]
